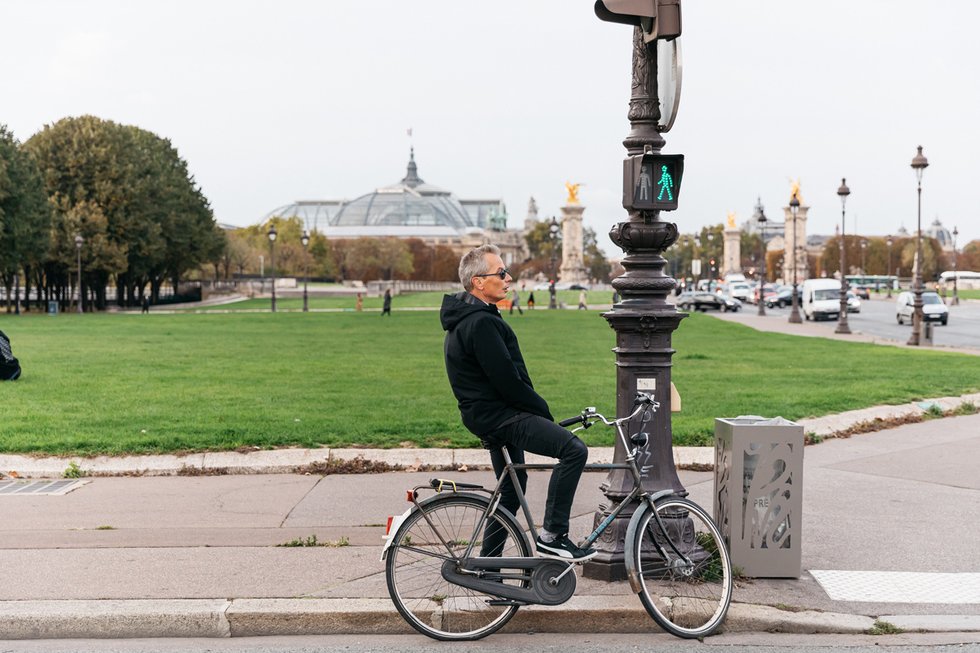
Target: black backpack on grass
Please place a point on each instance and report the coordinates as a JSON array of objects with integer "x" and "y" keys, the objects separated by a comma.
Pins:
[{"x": 9, "y": 367}]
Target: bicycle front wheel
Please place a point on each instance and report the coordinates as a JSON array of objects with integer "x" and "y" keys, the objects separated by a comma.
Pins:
[
  {"x": 424, "y": 542},
  {"x": 684, "y": 568}
]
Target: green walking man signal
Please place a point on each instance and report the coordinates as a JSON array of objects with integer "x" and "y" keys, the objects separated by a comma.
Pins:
[{"x": 652, "y": 182}]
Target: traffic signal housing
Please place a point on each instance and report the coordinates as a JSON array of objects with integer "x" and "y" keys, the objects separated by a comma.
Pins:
[
  {"x": 652, "y": 182},
  {"x": 659, "y": 19}
]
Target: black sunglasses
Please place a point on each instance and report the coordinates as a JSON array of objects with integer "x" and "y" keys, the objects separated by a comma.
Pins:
[{"x": 500, "y": 273}]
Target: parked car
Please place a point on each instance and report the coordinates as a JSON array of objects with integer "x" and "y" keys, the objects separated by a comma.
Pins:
[
  {"x": 782, "y": 297},
  {"x": 706, "y": 301},
  {"x": 853, "y": 303},
  {"x": 933, "y": 307}
]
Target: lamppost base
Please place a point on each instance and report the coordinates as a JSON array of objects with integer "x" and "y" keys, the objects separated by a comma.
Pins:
[
  {"x": 794, "y": 315},
  {"x": 843, "y": 328}
]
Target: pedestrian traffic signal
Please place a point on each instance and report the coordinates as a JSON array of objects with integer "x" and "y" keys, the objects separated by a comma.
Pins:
[
  {"x": 659, "y": 19},
  {"x": 652, "y": 182}
]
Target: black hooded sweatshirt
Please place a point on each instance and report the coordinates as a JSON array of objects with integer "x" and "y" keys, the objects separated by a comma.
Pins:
[{"x": 485, "y": 366}]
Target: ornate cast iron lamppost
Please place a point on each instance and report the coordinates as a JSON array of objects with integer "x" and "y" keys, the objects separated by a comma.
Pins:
[
  {"x": 842, "y": 326},
  {"x": 919, "y": 164},
  {"x": 956, "y": 297},
  {"x": 761, "y": 218},
  {"x": 305, "y": 239},
  {"x": 272, "y": 262},
  {"x": 644, "y": 319},
  {"x": 889, "y": 242},
  {"x": 794, "y": 316},
  {"x": 78, "y": 252},
  {"x": 553, "y": 230}
]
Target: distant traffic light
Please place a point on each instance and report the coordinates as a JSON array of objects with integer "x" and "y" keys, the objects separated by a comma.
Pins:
[{"x": 652, "y": 181}]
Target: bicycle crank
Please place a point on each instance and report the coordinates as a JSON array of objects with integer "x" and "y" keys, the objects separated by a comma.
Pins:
[{"x": 546, "y": 584}]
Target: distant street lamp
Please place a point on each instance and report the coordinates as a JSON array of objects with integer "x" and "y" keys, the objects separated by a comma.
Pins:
[
  {"x": 889, "y": 242},
  {"x": 842, "y": 326},
  {"x": 553, "y": 229},
  {"x": 956, "y": 297},
  {"x": 305, "y": 239},
  {"x": 17, "y": 293},
  {"x": 697, "y": 255},
  {"x": 762, "y": 220},
  {"x": 794, "y": 316},
  {"x": 864, "y": 257},
  {"x": 272, "y": 262},
  {"x": 78, "y": 251},
  {"x": 711, "y": 264},
  {"x": 919, "y": 164}
]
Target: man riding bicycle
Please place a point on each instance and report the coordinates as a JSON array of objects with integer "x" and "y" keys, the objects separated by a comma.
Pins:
[{"x": 498, "y": 403}]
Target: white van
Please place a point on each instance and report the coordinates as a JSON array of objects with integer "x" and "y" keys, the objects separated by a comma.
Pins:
[{"x": 820, "y": 299}]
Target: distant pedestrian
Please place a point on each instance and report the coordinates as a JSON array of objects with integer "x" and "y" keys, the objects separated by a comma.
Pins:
[
  {"x": 615, "y": 297},
  {"x": 359, "y": 306},
  {"x": 515, "y": 302},
  {"x": 146, "y": 304},
  {"x": 582, "y": 306},
  {"x": 386, "y": 306},
  {"x": 530, "y": 301}
]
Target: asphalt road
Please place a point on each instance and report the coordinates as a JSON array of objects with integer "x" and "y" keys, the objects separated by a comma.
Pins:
[
  {"x": 531, "y": 643},
  {"x": 877, "y": 318}
]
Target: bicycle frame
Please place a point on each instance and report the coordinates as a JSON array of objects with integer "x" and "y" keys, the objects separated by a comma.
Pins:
[{"x": 511, "y": 469}]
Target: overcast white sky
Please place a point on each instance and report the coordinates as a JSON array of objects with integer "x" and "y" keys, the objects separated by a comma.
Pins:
[{"x": 271, "y": 102}]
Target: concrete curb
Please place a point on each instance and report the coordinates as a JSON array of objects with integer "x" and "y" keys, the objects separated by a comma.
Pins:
[
  {"x": 283, "y": 461},
  {"x": 269, "y": 617}
]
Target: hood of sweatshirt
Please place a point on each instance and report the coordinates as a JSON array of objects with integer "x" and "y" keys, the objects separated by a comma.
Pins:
[{"x": 455, "y": 308}]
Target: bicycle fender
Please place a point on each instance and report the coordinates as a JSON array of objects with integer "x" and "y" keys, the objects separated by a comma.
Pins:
[
  {"x": 632, "y": 573},
  {"x": 396, "y": 522}
]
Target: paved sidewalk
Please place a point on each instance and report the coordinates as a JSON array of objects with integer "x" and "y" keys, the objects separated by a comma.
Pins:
[
  {"x": 889, "y": 530},
  {"x": 197, "y": 556}
]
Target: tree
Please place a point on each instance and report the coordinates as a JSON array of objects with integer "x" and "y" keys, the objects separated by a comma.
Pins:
[
  {"x": 134, "y": 187},
  {"x": 25, "y": 217},
  {"x": 393, "y": 257},
  {"x": 595, "y": 261},
  {"x": 969, "y": 257}
]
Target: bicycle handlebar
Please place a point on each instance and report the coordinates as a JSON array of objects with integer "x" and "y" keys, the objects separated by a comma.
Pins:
[
  {"x": 642, "y": 399},
  {"x": 572, "y": 420}
]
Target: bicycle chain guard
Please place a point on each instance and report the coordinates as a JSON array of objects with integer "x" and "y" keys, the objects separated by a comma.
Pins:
[{"x": 540, "y": 592}]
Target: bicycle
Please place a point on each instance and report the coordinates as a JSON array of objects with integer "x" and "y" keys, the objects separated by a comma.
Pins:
[{"x": 448, "y": 589}]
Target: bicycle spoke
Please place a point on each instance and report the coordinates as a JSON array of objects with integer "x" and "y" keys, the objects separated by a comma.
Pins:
[
  {"x": 686, "y": 581},
  {"x": 432, "y": 605}
]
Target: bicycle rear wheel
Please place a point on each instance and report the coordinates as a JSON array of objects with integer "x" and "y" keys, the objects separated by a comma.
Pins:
[
  {"x": 413, "y": 569},
  {"x": 688, "y": 593}
]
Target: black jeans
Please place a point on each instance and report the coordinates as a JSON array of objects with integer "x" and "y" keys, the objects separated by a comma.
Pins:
[{"x": 543, "y": 437}]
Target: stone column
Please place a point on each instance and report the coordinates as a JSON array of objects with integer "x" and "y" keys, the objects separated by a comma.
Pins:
[
  {"x": 733, "y": 249},
  {"x": 572, "y": 260},
  {"x": 795, "y": 252},
  {"x": 643, "y": 320}
]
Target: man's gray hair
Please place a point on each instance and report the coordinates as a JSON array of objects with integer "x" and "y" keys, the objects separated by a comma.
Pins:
[{"x": 474, "y": 262}]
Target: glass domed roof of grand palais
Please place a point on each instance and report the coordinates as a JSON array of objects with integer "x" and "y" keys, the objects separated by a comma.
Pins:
[
  {"x": 410, "y": 206},
  {"x": 410, "y": 202}
]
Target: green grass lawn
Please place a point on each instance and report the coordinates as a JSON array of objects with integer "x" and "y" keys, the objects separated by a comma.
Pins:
[{"x": 118, "y": 383}]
